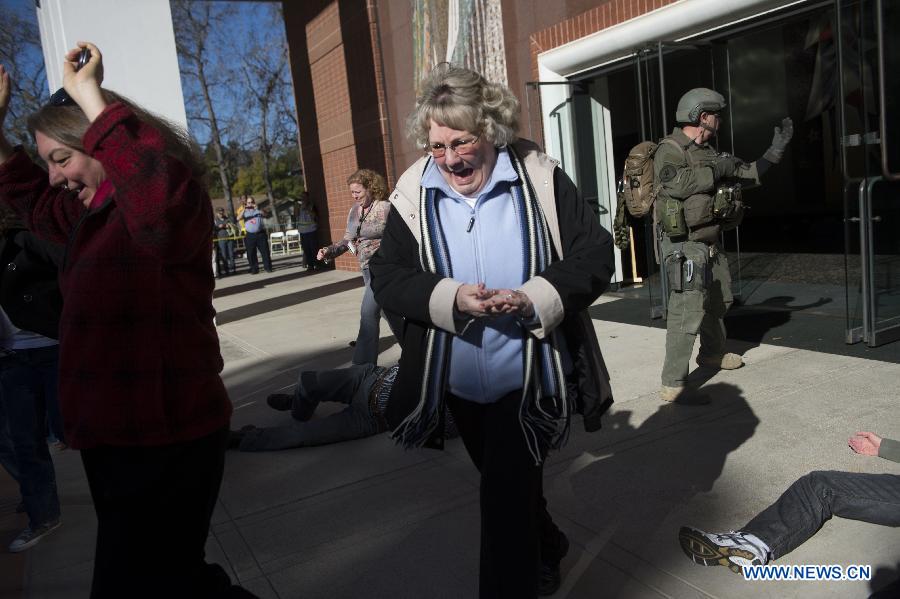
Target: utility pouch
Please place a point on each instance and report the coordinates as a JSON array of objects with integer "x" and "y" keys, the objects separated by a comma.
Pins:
[
  {"x": 726, "y": 198},
  {"x": 734, "y": 219},
  {"x": 671, "y": 217},
  {"x": 698, "y": 210},
  {"x": 674, "y": 266}
]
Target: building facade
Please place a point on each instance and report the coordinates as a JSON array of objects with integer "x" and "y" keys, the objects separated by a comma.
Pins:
[{"x": 595, "y": 77}]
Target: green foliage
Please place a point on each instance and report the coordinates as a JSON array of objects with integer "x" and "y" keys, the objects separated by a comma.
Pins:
[{"x": 287, "y": 182}]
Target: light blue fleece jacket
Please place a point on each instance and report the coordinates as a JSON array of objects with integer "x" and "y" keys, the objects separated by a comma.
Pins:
[{"x": 486, "y": 360}]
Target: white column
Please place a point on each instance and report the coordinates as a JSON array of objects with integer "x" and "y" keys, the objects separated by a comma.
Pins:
[{"x": 138, "y": 45}]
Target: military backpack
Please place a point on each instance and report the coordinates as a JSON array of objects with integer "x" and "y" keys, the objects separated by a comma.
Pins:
[{"x": 635, "y": 193}]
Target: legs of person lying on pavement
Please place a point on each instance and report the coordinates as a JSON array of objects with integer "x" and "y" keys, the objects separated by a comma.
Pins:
[
  {"x": 816, "y": 497},
  {"x": 340, "y": 385}
]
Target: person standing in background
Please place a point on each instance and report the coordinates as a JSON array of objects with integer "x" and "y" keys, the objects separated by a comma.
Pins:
[
  {"x": 365, "y": 226},
  {"x": 257, "y": 238},
  {"x": 30, "y": 306},
  {"x": 225, "y": 231},
  {"x": 307, "y": 219}
]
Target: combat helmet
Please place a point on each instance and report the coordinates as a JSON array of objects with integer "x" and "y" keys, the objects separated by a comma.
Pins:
[{"x": 696, "y": 101}]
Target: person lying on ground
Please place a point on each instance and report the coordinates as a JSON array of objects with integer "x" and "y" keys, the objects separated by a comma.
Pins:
[
  {"x": 364, "y": 388},
  {"x": 802, "y": 510}
]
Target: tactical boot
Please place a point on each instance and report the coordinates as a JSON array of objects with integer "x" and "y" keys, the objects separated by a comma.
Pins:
[
  {"x": 683, "y": 395},
  {"x": 726, "y": 362}
]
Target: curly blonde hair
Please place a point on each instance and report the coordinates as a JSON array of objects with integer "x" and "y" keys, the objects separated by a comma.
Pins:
[
  {"x": 462, "y": 99},
  {"x": 372, "y": 181}
]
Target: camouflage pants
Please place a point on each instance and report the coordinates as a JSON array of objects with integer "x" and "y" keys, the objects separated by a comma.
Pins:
[{"x": 698, "y": 308}]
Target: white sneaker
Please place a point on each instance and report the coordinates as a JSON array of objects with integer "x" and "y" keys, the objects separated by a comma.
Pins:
[
  {"x": 734, "y": 549},
  {"x": 28, "y": 537}
]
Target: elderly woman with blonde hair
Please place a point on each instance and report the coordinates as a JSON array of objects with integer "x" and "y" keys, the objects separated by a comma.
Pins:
[{"x": 493, "y": 258}]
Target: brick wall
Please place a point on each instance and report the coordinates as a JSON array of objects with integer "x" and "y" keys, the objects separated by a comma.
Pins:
[{"x": 340, "y": 95}]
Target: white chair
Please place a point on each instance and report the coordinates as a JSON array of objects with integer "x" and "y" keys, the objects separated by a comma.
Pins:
[
  {"x": 292, "y": 241},
  {"x": 276, "y": 244}
]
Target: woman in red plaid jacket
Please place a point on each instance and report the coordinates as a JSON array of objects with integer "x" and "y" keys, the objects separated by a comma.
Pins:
[{"x": 139, "y": 377}]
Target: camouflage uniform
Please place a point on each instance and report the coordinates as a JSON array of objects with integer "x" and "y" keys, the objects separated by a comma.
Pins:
[{"x": 683, "y": 170}]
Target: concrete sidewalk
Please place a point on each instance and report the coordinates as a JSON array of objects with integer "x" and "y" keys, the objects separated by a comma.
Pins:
[{"x": 365, "y": 519}]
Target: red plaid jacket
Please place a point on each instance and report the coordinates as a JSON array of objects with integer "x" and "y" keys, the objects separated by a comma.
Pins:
[{"x": 139, "y": 353}]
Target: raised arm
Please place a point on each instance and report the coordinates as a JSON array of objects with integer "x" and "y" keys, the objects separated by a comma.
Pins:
[
  {"x": 48, "y": 211},
  {"x": 165, "y": 207},
  {"x": 6, "y": 148}
]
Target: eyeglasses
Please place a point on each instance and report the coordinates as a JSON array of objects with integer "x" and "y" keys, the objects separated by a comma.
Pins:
[
  {"x": 460, "y": 146},
  {"x": 61, "y": 98}
]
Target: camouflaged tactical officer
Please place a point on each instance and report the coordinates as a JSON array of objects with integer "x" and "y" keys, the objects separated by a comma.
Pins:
[{"x": 699, "y": 197}]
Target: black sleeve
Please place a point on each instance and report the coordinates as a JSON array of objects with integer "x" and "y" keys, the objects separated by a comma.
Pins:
[
  {"x": 588, "y": 262},
  {"x": 398, "y": 281},
  {"x": 44, "y": 251}
]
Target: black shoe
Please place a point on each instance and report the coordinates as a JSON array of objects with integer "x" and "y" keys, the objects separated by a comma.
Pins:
[
  {"x": 254, "y": 272},
  {"x": 280, "y": 401},
  {"x": 269, "y": 270},
  {"x": 235, "y": 437},
  {"x": 550, "y": 575}
]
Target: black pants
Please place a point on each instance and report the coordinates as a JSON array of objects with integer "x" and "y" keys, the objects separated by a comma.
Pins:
[
  {"x": 154, "y": 506},
  {"x": 517, "y": 532},
  {"x": 258, "y": 241}
]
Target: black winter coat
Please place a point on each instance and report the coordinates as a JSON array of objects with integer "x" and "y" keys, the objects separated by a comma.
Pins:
[
  {"x": 29, "y": 287},
  {"x": 401, "y": 286}
]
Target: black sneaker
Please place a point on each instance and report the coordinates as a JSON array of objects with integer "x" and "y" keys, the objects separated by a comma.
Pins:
[
  {"x": 280, "y": 401},
  {"x": 551, "y": 577},
  {"x": 31, "y": 536}
]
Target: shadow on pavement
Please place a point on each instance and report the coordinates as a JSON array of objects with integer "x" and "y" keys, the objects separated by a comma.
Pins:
[
  {"x": 285, "y": 301},
  {"x": 627, "y": 499},
  {"x": 885, "y": 583},
  {"x": 750, "y": 324},
  {"x": 263, "y": 281}
]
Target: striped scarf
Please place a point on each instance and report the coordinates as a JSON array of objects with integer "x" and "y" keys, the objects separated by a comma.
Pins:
[{"x": 545, "y": 408}]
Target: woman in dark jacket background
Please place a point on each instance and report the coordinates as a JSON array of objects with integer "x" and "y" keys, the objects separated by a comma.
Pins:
[{"x": 30, "y": 305}]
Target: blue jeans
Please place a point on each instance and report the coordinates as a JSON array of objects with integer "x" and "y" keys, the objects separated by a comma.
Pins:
[
  {"x": 225, "y": 255},
  {"x": 349, "y": 386},
  {"x": 28, "y": 380},
  {"x": 801, "y": 510},
  {"x": 369, "y": 325}
]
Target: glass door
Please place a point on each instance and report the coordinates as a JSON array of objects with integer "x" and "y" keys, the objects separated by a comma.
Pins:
[
  {"x": 868, "y": 58},
  {"x": 580, "y": 138}
]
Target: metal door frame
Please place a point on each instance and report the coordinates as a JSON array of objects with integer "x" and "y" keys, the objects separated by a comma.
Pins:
[{"x": 869, "y": 331}]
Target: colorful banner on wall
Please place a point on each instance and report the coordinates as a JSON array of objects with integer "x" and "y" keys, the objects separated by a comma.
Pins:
[{"x": 468, "y": 33}]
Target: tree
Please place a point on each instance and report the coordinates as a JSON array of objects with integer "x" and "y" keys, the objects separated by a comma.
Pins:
[
  {"x": 197, "y": 31},
  {"x": 20, "y": 53},
  {"x": 265, "y": 66}
]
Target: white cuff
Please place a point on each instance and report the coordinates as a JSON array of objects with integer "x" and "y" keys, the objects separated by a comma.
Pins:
[{"x": 548, "y": 306}]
